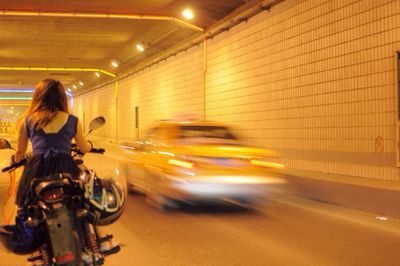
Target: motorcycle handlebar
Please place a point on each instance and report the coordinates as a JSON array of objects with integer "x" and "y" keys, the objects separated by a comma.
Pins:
[
  {"x": 14, "y": 166},
  {"x": 75, "y": 149},
  {"x": 100, "y": 150},
  {"x": 23, "y": 161}
]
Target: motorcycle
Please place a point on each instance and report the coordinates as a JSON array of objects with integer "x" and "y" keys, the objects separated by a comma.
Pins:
[{"x": 61, "y": 221}]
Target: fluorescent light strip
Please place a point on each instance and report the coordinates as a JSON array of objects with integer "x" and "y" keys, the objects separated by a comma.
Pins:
[
  {"x": 21, "y": 98},
  {"x": 16, "y": 90},
  {"x": 14, "y": 104}
]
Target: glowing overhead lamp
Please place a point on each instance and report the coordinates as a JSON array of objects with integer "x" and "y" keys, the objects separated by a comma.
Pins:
[
  {"x": 69, "y": 90},
  {"x": 97, "y": 74},
  {"x": 140, "y": 47},
  {"x": 81, "y": 83},
  {"x": 74, "y": 86},
  {"x": 114, "y": 64},
  {"x": 187, "y": 13}
]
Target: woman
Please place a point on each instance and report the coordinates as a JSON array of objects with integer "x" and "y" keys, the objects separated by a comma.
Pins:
[{"x": 51, "y": 129}]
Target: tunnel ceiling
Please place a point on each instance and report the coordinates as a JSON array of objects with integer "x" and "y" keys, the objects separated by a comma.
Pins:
[{"x": 30, "y": 37}]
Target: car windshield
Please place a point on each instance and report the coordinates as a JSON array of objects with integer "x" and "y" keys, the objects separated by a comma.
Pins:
[{"x": 205, "y": 134}]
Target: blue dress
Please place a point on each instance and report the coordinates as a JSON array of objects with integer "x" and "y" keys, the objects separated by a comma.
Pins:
[{"x": 50, "y": 155}]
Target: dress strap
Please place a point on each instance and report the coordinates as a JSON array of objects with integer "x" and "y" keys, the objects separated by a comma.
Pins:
[
  {"x": 27, "y": 127},
  {"x": 73, "y": 120}
]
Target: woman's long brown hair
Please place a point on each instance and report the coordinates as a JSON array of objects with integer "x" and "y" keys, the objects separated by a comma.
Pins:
[{"x": 48, "y": 98}]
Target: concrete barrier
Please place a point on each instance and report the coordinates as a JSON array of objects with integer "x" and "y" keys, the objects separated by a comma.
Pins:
[{"x": 376, "y": 196}]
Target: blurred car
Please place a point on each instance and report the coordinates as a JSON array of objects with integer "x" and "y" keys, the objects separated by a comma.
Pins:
[
  {"x": 198, "y": 161},
  {"x": 9, "y": 180}
]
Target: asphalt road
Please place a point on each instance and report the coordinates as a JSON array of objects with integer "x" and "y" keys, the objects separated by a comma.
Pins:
[{"x": 282, "y": 231}]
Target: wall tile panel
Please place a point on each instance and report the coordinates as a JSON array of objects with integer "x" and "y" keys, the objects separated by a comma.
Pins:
[{"x": 315, "y": 79}]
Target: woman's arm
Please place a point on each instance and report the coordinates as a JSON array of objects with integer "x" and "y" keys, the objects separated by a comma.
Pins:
[
  {"x": 83, "y": 145},
  {"x": 22, "y": 142}
]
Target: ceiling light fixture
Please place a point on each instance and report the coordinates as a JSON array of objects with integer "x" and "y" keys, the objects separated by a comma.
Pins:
[
  {"x": 74, "y": 86},
  {"x": 140, "y": 47},
  {"x": 114, "y": 64},
  {"x": 188, "y": 13},
  {"x": 97, "y": 74},
  {"x": 69, "y": 90},
  {"x": 81, "y": 83}
]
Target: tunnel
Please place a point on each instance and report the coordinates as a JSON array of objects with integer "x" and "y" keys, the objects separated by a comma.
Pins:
[{"x": 287, "y": 111}]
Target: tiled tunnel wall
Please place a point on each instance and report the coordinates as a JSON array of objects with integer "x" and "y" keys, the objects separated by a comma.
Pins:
[{"x": 314, "y": 79}]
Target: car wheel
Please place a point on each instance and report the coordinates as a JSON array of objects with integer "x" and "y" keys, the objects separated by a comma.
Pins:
[
  {"x": 248, "y": 204},
  {"x": 160, "y": 201},
  {"x": 155, "y": 196},
  {"x": 132, "y": 189},
  {"x": 157, "y": 199}
]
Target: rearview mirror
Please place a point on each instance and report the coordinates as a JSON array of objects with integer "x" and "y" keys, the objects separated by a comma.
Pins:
[{"x": 97, "y": 123}]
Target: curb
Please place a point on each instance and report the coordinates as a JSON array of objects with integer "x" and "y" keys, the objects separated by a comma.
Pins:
[{"x": 374, "y": 196}]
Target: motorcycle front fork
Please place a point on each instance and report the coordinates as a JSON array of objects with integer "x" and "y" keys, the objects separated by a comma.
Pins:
[{"x": 91, "y": 237}]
